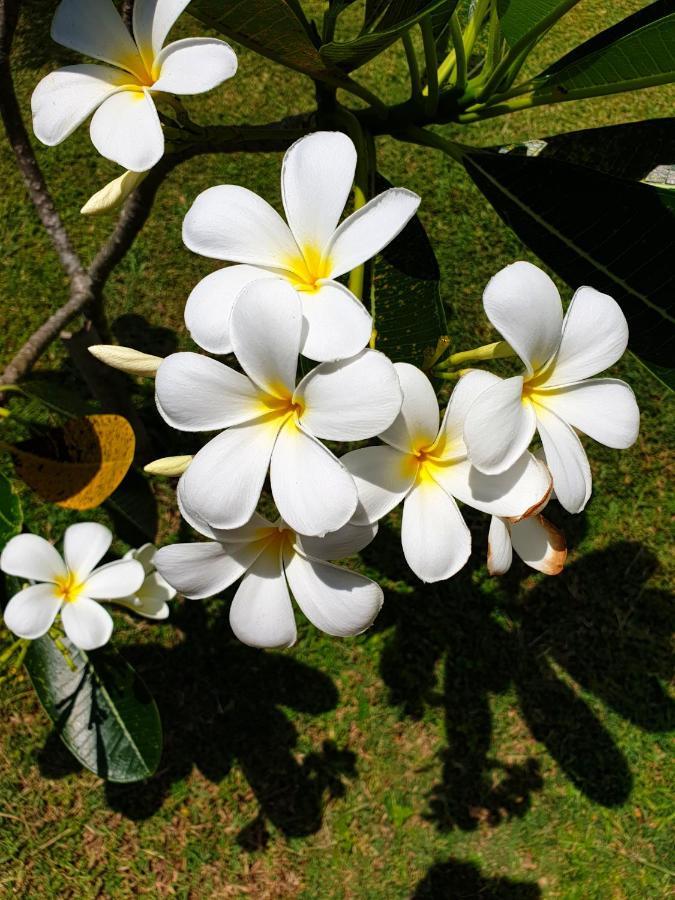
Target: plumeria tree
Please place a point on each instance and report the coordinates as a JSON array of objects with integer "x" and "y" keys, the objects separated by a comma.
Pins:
[{"x": 323, "y": 374}]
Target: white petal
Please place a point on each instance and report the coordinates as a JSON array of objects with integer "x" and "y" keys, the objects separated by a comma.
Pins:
[
  {"x": 116, "y": 579},
  {"x": 65, "y": 98},
  {"x": 450, "y": 442},
  {"x": 232, "y": 223},
  {"x": 94, "y": 28},
  {"x": 416, "y": 426},
  {"x": 313, "y": 491},
  {"x": 594, "y": 337},
  {"x": 204, "y": 569},
  {"x": 369, "y": 229},
  {"x": 31, "y": 556},
  {"x": 256, "y": 529},
  {"x": 435, "y": 538},
  {"x": 603, "y": 408},
  {"x": 87, "y": 624},
  {"x": 335, "y": 600},
  {"x": 152, "y": 21},
  {"x": 520, "y": 491},
  {"x": 316, "y": 179},
  {"x": 197, "y": 393},
  {"x": 265, "y": 329},
  {"x": 499, "y": 426},
  {"x": 126, "y": 129},
  {"x": 151, "y": 599},
  {"x": 208, "y": 308},
  {"x": 540, "y": 545},
  {"x": 261, "y": 614},
  {"x": 224, "y": 480},
  {"x": 339, "y": 544},
  {"x": 30, "y": 613},
  {"x": 194, "y": 65},
  {"x": 383, "y": 476},
  {"x": 350, "y": 400},
  {"x": 145, "y": 555},
  {"x": 566, "y": 459},
  {"x": 84, "y": 546},
  {"x": 336, "y": 324},
  {"x": 500, "y": 551},
  {"x": 523, "y": 304}
]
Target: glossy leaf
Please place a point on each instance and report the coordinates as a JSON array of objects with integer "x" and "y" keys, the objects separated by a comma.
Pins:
[
  {"x": 100, "y": 708},
  {"x": 11, "y": 514},
  {"x": 592, "y": 228},
  {"x": 520, "y": 18},
  {"x": 408, "y": 313},
  {"x": 638, "y": 52},
  {"x": 79, "y": 465},
  {"x": 385, "y": 24}
]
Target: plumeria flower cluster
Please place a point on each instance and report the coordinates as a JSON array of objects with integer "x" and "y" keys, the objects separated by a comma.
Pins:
[
  {"x": 281, "y": 301},
  {"x": 72, "y": 585}
]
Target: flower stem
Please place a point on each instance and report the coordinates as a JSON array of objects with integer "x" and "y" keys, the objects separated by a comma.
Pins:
[
  {"x": 460, "y": 53},
  {"x": 431, "y": 61},
  {"x": 413, "y": 67}
]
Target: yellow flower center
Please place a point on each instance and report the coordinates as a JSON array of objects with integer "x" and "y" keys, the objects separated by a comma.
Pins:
[
  {"x": 68, "y": 588},
  {"x": 308, "y": 268}
]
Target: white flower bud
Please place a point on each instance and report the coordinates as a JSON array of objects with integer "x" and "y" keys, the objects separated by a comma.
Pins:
[
  {"x": 113, "y": 194},
  {"x": 126, "y": 359}
]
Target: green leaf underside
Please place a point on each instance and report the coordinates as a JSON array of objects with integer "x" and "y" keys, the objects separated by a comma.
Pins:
[
  {"x": 102, "y": 710},
  {"x": 518, "y": 18},
  {"x": 592, "y": 228},
  {"x": 638, "y": 52},
  {"x": 11, "y": 514},
  {"x": 408, "y": 313},
  {"x": 381, "y": 31}
]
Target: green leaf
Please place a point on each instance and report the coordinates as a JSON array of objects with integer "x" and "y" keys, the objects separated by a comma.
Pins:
[
  {"x": 385, "y": 24},
  {"x": 593, "y": 228},
  {"x": 520, "y": 18},
  {"x": 638, "y": 52},
  {"x": 408, "y": 314},
  {"x": 11, "y": 514},
  {"x": 101, "y": 709}
]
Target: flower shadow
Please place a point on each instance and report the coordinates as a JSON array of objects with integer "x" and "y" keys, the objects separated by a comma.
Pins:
[{"x": 458, "y": 880}]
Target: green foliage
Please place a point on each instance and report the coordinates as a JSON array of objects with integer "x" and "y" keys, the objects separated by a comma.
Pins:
[
  {"x": 100, "y": 708},
  {"x": 518, "y": 19},
  {"x": 11, "y": 514}
]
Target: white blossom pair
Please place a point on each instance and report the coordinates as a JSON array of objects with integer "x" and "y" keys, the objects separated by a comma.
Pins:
[
  {"x": 74, "y": 586},
  {"x": 125, "y": 127}
]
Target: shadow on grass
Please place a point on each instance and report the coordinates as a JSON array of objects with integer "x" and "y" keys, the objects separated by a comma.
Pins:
[
  {"x": 455, "y": 880},
  {"x": 597, "y": 626}
]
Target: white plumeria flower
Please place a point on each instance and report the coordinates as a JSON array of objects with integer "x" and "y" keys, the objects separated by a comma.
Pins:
[
  {"x": 69, "y": 583},
  {"x": 271, "y": 423},
  {"x": 272, "y": 558},
  {"x": 537, "y": 542},
  {"x": 151, "y": 599},
  {"x": 554, "y": 396},
  {"x": 428, "y": 469},
  {"x": 231, "y": 223},
  {"x": 125, "y": 127}
]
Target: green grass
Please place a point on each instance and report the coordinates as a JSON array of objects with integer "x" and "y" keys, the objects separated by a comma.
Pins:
[{"x": 499, "y": 739}]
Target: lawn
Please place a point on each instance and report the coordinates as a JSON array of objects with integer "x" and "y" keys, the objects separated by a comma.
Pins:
[{"x": 487, "y": 738}]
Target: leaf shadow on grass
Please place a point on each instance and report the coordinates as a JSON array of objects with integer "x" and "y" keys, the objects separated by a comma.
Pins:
[
  {"x": 458, "y": 880},
  {"x": 597, "y": 626}
]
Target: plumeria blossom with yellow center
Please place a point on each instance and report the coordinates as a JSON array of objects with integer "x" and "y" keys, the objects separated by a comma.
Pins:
[
  {"x": 537, "y": 542},
  {"x": 556, "y": 395},
  {"x": 270, "y": 423},
  {"x": 125, "y": 126},
  {"x": 151, "y": 599},
  {"x": 428, "y": 469},
  {"x": 310, "y": 253},
  {"x": 69, "y": 583},
  {"x": 272, "y": 559}
]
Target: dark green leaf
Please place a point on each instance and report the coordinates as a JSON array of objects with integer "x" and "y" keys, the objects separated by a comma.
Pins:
[
  {"x": 394, "y": 19},
  {"x": 101, "y": 709},
  {"x": 11, "y": 514},
  {"x": 520, "y": 18},
  {"x": 638, "y": 52},
  {"x": 407, "y": 310},
  {"x": 592, "y": 228}
]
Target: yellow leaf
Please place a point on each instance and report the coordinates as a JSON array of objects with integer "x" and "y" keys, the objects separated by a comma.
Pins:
[{"x": 80, "y": 465}]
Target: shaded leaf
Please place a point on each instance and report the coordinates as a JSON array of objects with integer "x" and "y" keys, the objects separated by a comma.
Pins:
[
  {"x": 519, "y": 18},
  {"x": 11, "y": 514},
  {"x": 592, "y": 228},
  {"x": 100, "y": 708},
  {"x": 385, "y": 24},
  {"x": 79, "y": 465},
  {"x": 133, "y": 510},
  {"x": 408, "y": 313},
  {"x": 638, "y": 52}
]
